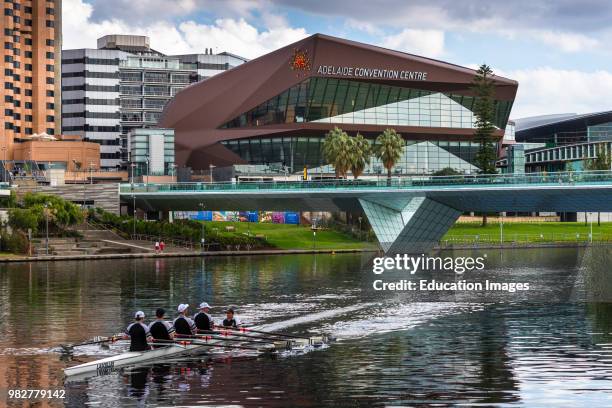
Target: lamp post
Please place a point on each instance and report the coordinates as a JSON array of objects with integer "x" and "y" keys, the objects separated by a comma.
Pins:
[
  {"x": 203, "y": 232},
  {"x": 91, "y": 172},
  {"x": 132, "y": 166},
  {"x": 4, "y": 177},
  {"x": 148, "y": 169},
  {"x": 173, "y": 167},
  {"x": 46, "y": 206},
  {"x": 211, "y": 167}
]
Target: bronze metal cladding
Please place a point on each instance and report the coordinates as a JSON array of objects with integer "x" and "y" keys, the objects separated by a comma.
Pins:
[{"x": 197, "y": 112}]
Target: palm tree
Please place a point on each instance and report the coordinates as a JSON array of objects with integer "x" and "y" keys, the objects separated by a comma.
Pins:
[
  {"x": 360, "y": 152},
  {"x": 388, "y": 149},
  {"x": 336, "y": 151}
]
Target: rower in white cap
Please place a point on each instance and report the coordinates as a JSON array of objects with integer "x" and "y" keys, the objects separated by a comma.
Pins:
[
  {"x": 183, "y": 325},
  {"x": 138, "y": 333},
  {"x": 203, "y": 320}
]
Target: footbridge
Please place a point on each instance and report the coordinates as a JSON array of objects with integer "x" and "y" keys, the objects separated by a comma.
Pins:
[{"x": 408, "y": 214}]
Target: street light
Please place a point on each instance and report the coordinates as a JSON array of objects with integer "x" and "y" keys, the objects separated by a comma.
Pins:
[
  {"x": 132, "y": 166},
  {"x": 46, "y": 206},
  {"x": 203, "y": 232},
  {"x": 148, "y": 169},
  {"x": 211, "y": 167}
]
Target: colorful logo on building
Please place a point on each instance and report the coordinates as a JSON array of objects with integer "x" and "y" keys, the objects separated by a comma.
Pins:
[{"x": 300, "y": 62}]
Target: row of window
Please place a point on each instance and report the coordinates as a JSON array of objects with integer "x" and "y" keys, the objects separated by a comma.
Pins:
[
  {"x": 91, "y": 101},
  {"x": 93, "y": 88},
  {"x": 564, "y": 153},
  {"x": 87, "y": 114},
  {"x": 92, "y": 61},
  {"x": 28, "y": 131},
  {"x": 26, "y": 9},
  {"x": 90, "y": 74},
  {"x": 90, "y": 128}
]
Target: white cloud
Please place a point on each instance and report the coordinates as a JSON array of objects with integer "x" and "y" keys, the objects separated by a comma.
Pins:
[
  {"x": 568, "y": 42},
  {"x": 233, "y": 35},
  {"x": 548, "y": 90},
  {"x": 429, "y": 43}
]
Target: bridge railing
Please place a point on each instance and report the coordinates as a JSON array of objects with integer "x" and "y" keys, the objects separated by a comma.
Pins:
[{"x": 407, "y": 183}]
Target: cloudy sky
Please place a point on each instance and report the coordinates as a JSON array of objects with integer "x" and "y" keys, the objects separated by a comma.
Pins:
[{"x": 558, "y": 50}]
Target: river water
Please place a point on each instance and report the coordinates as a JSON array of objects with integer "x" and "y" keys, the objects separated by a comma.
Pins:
[{"x": 549, "y": 347}]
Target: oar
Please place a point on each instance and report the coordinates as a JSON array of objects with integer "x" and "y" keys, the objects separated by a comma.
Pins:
[
  {"x": 226, "y": 332},
  {"x": 208, "y": 337},
  {"x": 188, "y": 342},
  {"x": 69, "y": 347},
  {"x": 246, "y": 329}
]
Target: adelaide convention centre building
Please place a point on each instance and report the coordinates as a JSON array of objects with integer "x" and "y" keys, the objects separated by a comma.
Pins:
[{"x": 275, "y": 110}]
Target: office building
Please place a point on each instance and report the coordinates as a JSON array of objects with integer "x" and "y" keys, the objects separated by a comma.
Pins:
[
  {"x": 124, "y": 84},
  {"x": 152, "y": 151}
]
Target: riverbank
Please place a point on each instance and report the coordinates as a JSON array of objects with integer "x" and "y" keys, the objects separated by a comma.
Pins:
[{"x": 7, "y": 258}]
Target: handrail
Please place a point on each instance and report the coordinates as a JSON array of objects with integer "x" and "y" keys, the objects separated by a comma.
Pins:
[{"x": 404, "y": 182}]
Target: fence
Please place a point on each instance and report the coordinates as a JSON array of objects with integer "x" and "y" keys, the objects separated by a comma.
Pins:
[{"x": 484, "y": 239}]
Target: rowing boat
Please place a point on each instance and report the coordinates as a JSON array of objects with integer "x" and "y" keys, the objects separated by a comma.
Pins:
[{"x": 111, "y": 364}]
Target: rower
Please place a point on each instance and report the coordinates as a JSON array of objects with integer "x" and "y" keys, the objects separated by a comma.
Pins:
[
  {"x": 138, "y": 333},
  {"x": 230, "y": 320},
  {"x": 183, "y": 325},
  {"x": 203, "y": 320},
  {"x": 161, "y": 329}
]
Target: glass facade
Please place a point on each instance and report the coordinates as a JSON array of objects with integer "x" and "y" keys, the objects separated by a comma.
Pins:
[
  {"x": 340, "y": 101},
  {"x": 295, "y": 153}
]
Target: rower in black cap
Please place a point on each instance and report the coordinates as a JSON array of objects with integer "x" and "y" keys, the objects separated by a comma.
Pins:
[
  {"x": 161, "y": 329},
  {"x": 230, "y": 320},
  {"x": 138, "y": 333}
]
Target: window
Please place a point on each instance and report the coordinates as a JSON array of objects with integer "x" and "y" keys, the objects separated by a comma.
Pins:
[
  {"x": 8, "y": 85},
  {"x": 17, "y": 116},
  {"x": 50, "y": 81},
  {"x": 16, "y": 64},
  {"x": 8, "y": 12},
  {"x": 16, "y": 51},
  {"x": 16, "y": 19},
  {"x": 50, "y": 93},
  {"x": 18, "y": 129},
  {"x": 17, "y": 90},
  {"x": 16, "y": 103},
  {"x": 50, "y": 43},
  {"x": 8, "y": 98},
  {"x": 50, "y": 11},
  {"x": 28, "y": 22},
  {"x": 28, "y": 131},
  {"x": 8, "y": 72},
  {"x": 50, "y": 68},
  {"x": 8, "y": 112},
  {"x": 8, "y": 31},
  {"x": 50, "y": 23},
  {"x": 8, "y": 58},
  {"x": 28, "y": 105},
  {"x": 28, "y": 41},
  {"x": 50, "y": 118},
  {"x": 28, "y": 54},
  {"x": 16, "y": 77},
  {"x": 28, "y": 92},
  {"x": 27, "y": 9},
  {"x": 50, "y": 105},
  {"x": 49, "y": 55},
  {"x": 8, "y": 46},
  {"x": 28, "y": 80},
  {"x": 50, "y": 131},
  {"x": 28, "y": 67},
  {"x": 28, "y": 118},
  {"x": 8, "y": 125}
]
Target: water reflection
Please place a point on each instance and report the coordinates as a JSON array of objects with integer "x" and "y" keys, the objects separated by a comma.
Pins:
[{"x": 390, "y": 351}]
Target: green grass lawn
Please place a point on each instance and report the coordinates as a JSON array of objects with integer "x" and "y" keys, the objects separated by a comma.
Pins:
[
  {"x": 285, "y": 236},
  {"x": 529, "y": 232}
]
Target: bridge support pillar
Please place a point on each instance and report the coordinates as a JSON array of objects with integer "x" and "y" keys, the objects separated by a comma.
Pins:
[{"x": 411, "y": 225}]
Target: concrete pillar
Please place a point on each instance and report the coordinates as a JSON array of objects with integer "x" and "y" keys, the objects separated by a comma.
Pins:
[{"x": 410, "y": 225}]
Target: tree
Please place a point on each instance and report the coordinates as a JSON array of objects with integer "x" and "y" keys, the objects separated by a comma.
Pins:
[
  {"x": 447, "y": 171},
  {"x": 360, "y": 152},
  {"x": 484, "y": 111},
  {"x": 388, "y": 149},
  {"x": 336, "y": 151},
  {"x": 24, "y": 219},
  {"x": 60, "y": 212},
  {"x": 600, "y": 162}
]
